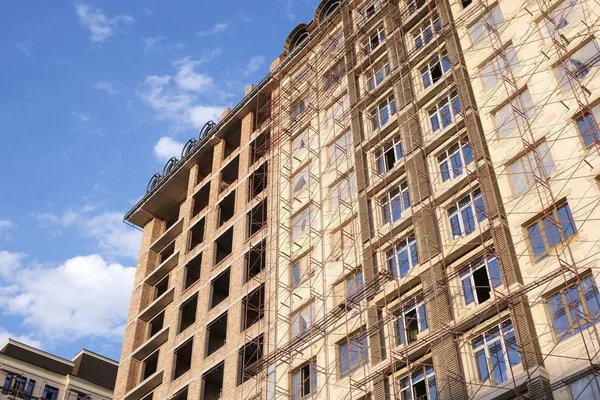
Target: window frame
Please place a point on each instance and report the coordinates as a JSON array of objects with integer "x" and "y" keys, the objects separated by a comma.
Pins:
[
  {"x": 525, "y": 173},
  {"x": 583, "y": 70},
  {"x": 385, "y": 107},
  {"x": 384, "y": 68},
  {"x": 421, "y": 317},
  {"x": 408, "y": 244},
  {"x": 376, "y": 34},
  {"x": 340, "y": 147},
  {"x": 301, "y": 323},
  {"x": 539, "y": 222},
  {"x": 334, "y": 75},
  {"x": 588, "y": 126},
  {"x": 306, "y": 213},
  {"x": 406, "y": 382},
  {"x": 399, "y": 195},
  {"x": 517, "y": 115},
  {"x": 447, "y": 156},
  {"x": 494, "y": 278},
  {"x": 497, "y": 66},
  {"x": 482, "y": 22},
  {"x": 342, "y": 190},
  {"x": 358, "y": 339},
  {"x": 427, "y": 67},
  {"x": 479, "y": 215},
  {"x": 543, "y": 23},
  {"x": 426, "y": 31},
  {"x": 449, "y": 105},
  {"x": 395, "y": 145},
  {"x": 503, "y": 338},
  {"x": 312, "y": 379}
]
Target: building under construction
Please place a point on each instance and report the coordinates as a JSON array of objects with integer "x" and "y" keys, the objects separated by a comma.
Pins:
[{"x": 404, "y": 208}]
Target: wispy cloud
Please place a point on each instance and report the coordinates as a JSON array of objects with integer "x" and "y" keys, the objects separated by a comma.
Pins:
[
  {"x": 215, "y": 30},
  {"x": 105, "y": 86},
  {"x": 157, "y": 45},
  {"x": 147, "y": 11},
  {"x": 82, "y": 116},
  {"x": 24, "y": 47},
  {"x": 254, "y": 64},
  {"x": 166, "y": 148},
  {"x": 5, "y": 227},
  {"x": 99, "y": 24}
]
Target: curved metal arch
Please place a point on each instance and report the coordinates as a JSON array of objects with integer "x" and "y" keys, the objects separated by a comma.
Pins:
[
  {"x": 298, "y": 35},
  {"x": 206, "y": 130},
  {"x": 156, "y": 178},
  {"x": 170, "y": 165},
  {"x": 188, "y": 147},
  {"x": 325, "y": 9}
]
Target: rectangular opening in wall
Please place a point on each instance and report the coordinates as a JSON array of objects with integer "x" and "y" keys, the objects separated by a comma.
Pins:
[
  {"x": 249, "y": 355},
  {"x": 187, "y": 313},
  {"x": 172, "y": 218},
  {"x": 192, "y": 271},
  {"x": 167, "y": 252},
  {"x": 216, "y": 334},
  {"x": 226, "y": 208},
  {"x": 259, "y": 147},
  {"x": 156, "y": 324},
  {"x": 256, "y": 260},
  {"x": 253, "y": 307},
  {"x": 149, "y": 365},
  {"x": 196, "y": 234},
  {"x": 482, "y": 285},
  {"x": 223, "y": 245},
  {"x": 201, "y": 199},
  {"x": 232, "y": 138},
  {"x": 220, "y": 288},
  {"x": 229, "y": 174},
  {"x": 183, "y": 359},
  {"x": 257, "y": 218},
  {"x": 258, "y": 181},
  {"x": 205, "y": 167},
  {"x": 212, "y": 382},
  {"x": 161, "y": 287},
  {"x": 181, "y": 395},
  {"x": 263, "y": 111}
]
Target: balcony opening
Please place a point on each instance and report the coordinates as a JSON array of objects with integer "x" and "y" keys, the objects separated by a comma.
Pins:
[
  {"x": 257, "y": 181},
  {"x": 213, "y": 383},
  {"x": 183, "y": 359},
  {"x": 201, "y": 199},
  {"x": 259, "y": 147},
  {"x": 412, "y": 325},
  {"x": 156, "y": 324},
  {"x": 192, "y": 271},
  {"x": 263, "y": 112},
  {"x": 161, "y": 287},
  {"x": 253, "y": 307},
  {"x": 232, "y": 138},
  {"x": 482, "y": 285},
  {"x": 256, "y": 260},
  {"x": 224, "y": 245},
  {"x": 248, "y": 356},
  {"x": 187, "y": 313},
  {"x": 226, "y": 208},
  {"x": 149, "y": 365},
  {"x": 205, "y": 167},
  {"x": 166, "y": 252},
  {"x": 257, "y": 218},
  {"x": 229, "y": 174},
  {"x": 172, "y": 218},
  {"x": 220, "y": 288},
  {"x": 196, "y": 234},
  {"x": 216, "y": 334},
  {"x": 465, "y": 3},
  {"x": 181, "y": 395}
]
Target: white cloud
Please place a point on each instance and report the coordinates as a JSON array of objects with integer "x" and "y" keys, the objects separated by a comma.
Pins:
[
  {"x": 27, "y": 339},
  {"x": 106, "y": 86},
  {"x": 166, "y": 148},
  {"x": 254, "y": 64},
  {"x": 188, "y": 79},
  {"x": 198, "y": 115},
  {"x": 6, "y": 224},
  {"x": 85, "y": 296},
  {"x": 82, "y": 116},
  {"x": 10, "y": 263},
  {"x": 157, "y": 45},
  {"x": 215, "y": 30},
  {"x": 98, "y": 23},
  {"x": 24, "y": 47}
]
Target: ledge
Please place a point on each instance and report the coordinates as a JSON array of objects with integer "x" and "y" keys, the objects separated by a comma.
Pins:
[
  {"x": 163, "y": 269},
  {"x": 151, "y": 344},
  {"x": 157, "y": 305},
  {"x": 167, "y": 237},
  {"x": 145, "y": 387}
]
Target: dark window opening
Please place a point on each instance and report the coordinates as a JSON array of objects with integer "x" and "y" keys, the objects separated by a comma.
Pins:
[
  {"x": 258, "y": 181},
  {"x": 220, "y": 288},
  {"x": 187, "y": 313},
  {"x": 256, "y": 260},
  {"x": 229, "y": 174},
  {"x": 257, "y": 218},
  {"x": 466, "y": 3},
  {"x": 216, "y": 334},
  {"x": 263, "y": 113},
  {"x": 224, "y": 245},
  {"x": 253, "y": 307},
  {"x": 161, "y": 287},
  {"x": 149, "y": 396},
  {"x": 226, "y": 208},
  {"x": 436, "y": 72},
  {"x": 192, "y": 271},
  {"x": 201, "y": 199},
  {"x": 181, "y": 395},
  {"x": 183, "y": 359},
  {"x": 232, "y": 139},
  {"x": 249, "y": 355},
  {"x": 213, "y": 383},
  {"x": 390, "y": 158},
  {"x": 205, "y": 166},
  {"x": 167, "y": 252},
  {"x": 482, "y": 285},
  {"x": 197, "y": 234},
  {"x": 412, "y": 325},
  {"x": 150, "y": 365},
  {"x": 259, "y": 147},
  {"x": 156, "y": 324},
  {"x": 172, "y": 218}
]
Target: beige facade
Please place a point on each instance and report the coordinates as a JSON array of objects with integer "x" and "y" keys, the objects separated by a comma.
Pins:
[{"x": 405, "y": 207}]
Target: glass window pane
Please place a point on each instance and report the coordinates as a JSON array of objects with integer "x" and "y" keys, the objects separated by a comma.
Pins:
[
  {"x": 559, "y": 315},
  {"x": 468, "y": 290},
  {"x": 494, "y": 269},
  {"x": 536, "y": 239},
  {"x": 482, "y": 366},
  {"x": 566, "y": 221}
]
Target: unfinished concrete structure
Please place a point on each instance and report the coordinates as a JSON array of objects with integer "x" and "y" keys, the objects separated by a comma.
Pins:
[{"x": 405, "y": 207}]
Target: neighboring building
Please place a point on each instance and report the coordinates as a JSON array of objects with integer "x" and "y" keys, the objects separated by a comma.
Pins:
[
  {"x": 32, "y": 374},
  {"x": 405, "y": 207}
]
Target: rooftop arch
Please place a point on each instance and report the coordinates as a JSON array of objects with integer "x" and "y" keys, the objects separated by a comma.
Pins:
[
  {"x": 325, "y": 9},
  {"x": 298, "y": 35}
]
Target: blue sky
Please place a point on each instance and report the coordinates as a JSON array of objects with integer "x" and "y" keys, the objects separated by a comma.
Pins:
[{"x": 94, "y": 97}]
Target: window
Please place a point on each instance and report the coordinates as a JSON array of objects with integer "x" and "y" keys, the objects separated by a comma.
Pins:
[
  {"x": 187, "y": 313},
  {"x": 481, "y": 30},
  {"x": 342, "y": 191},
  {"x": 420, "y": 385},
  {"x": 454, "y": 159},
  {"x": 381, "y": 114},
  {"x": 441, "y": 115},
  {"x": 376, "y": 37},
  {"x": 414, "y": 5},
  {"x": 573, "y": 307},
  {"x": 515, "y": 114},
  {"x": 391, "y": 154},
  {"x": 465, "y": 213},
  {"x": 183, "y": 359},
  {"x": 371, "y": 10},
  {"x": 465, "y": 3},
  {"x": 333, "y": 44},
  {"x": 354, "y": 284},
  {"x": 304, "y": 381},
  {"x": 409, "y": 322},
  {"x": 303, "y": 319},
  {"x": 253, "y": 307},
  {"x": 299, "y": 76},
  {"x": 500, "y": 65},
  {"x": 300, "y": 180},
  {"x": 496, "y": 351},
  {"x": 579, "y": 65},
  {"x": 301, "y": 223},
  {"x": 394, "y": 203},
  {"x": 298, "y": 109},
  {"x": 549, "y": 231},
  {"x": 334, "y": 75},
  {"x": 536, "y": 164},
  {"x": 585, "y": 388},
  {"x": 300, "y": 270},
  {"x": 334, "y": 116},
  {"x": 343, "y": 240},
  {"x": 561, "y": 19},
  {"x": 588, "y": 126},
  {"x": 50, "y": 393},
  {"x": 478, "y": 280},
  {"x": 30, "y": 388},
  {"x": 353, "y": 353},
  {"x": 219, "y": 288},
  {"x": 216, "y": 334},
  {"x": 402, "y": 257},
  {"x": 340, "y": 147},
  {"x": 300, "y": 142},
  {"x": 435, "y": 69},
  {"x": 377, "y": 75},
  {"x": 424, "y": 33}
]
